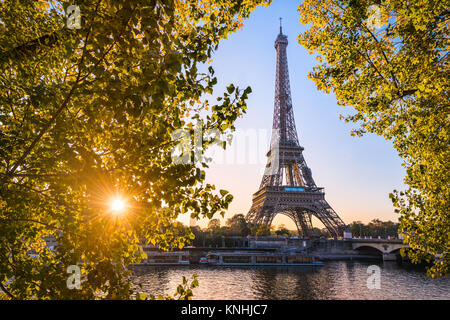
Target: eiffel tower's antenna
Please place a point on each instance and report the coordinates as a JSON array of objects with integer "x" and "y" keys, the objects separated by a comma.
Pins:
[{"x": 281, "y": 27}]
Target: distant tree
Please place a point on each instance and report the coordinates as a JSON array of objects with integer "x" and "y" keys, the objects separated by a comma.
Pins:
[
  {"x": 383, "y": 229},
  {"x": 263, "y": 230},
  {"x": 391, "y": 228},
  {"x": 319, "y": 232},
  {"x": 199, "y": 236},
  {"x": 356, "y": 228},
  {"x": 374, "y": 228},
  {"x": 225, "y": 231},
  {"x": 214, "y": 226},
  {"x": 238, "y": 225},
  {"x": 253, "y": 228},
  {"x": 282, "y": 231},
  {"x": 389, "y": 60}
]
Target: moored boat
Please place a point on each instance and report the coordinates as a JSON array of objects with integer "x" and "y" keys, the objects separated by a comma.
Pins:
[
  {"x": 241, "y": 258},
  {"x": 155, "y": 258}
]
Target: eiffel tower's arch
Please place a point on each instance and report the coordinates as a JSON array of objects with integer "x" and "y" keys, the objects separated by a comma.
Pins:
[{"x": 302, "y": 218}]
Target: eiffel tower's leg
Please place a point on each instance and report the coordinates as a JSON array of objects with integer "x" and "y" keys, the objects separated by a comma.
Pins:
[
  {"x": 329, "y": 218},
  {"x": 333, "y": 216},
  {"x": 268, "y": 215},
  {"x": 300, "y": 230},
  {"x": 253, "y": 213},
  {"x": 305, "y": 222},
  {"x": 302, "y": 221},
  {"x": 297, "y": 223},
  {"x": 260, "y": 214}
]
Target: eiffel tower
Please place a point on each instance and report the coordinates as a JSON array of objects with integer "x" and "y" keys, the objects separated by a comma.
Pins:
[{"x": 287, "y": 186}]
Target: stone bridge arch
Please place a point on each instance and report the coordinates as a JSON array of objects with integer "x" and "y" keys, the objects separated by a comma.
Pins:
[{"x": 387, "y": 249}]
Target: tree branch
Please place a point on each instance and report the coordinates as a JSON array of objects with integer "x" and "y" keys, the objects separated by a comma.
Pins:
[
  {"x": 9, "y": 294},
  {"x": 30, "y": 48}
]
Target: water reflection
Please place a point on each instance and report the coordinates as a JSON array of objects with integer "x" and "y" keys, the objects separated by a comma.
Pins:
[{"x": 335, "y": 280}]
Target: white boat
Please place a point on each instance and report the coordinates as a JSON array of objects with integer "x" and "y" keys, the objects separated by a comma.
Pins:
[
  {"x": 155, "y": 258},
  {"x": 240, "y": 258}
]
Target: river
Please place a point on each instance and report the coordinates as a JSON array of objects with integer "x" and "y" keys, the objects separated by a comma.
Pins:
[{"x": 335, "y": 280}]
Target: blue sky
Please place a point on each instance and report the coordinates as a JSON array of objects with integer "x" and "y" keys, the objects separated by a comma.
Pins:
[{"x": 357, "y": 173}]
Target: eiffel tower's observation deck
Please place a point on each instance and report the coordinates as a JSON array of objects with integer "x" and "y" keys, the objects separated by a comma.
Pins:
[{"x": 287, "y": 186}]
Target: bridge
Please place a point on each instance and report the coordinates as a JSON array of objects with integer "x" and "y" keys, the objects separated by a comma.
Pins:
[
  {"x": 388, "y": 248},
  {"x": 328, "y": 249},
  {"x": 354, "y": 248}
]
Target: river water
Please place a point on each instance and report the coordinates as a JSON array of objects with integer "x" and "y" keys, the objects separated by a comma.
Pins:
[{"x": 335, "y": 280}]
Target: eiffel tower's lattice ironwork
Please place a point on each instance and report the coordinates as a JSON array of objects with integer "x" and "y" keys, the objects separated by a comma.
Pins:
[{"x": 287, "y": 186}]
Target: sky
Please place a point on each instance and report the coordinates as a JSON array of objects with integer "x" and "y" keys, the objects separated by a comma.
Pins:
[{"x": 357, "y": 173}]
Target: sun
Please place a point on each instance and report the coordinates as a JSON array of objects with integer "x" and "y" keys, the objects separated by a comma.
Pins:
[{"x": 117, "y": 205}]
